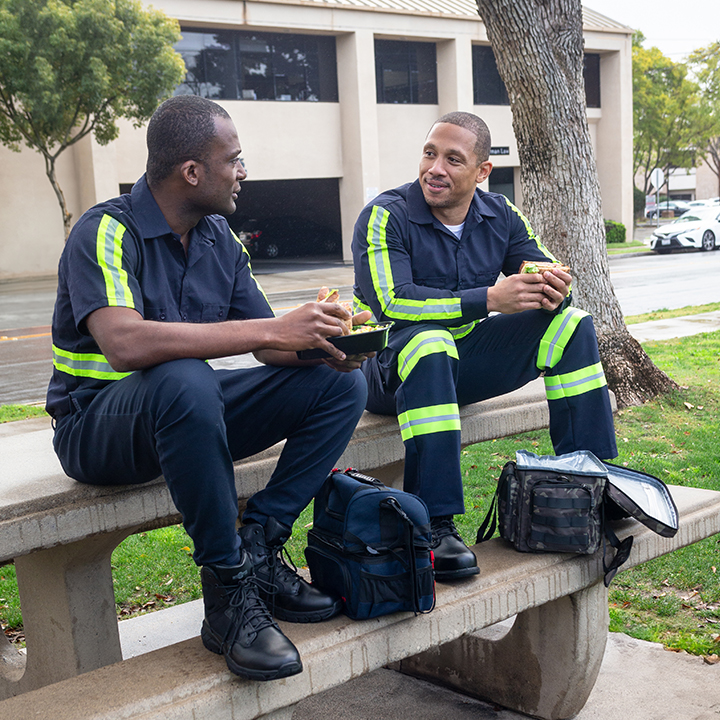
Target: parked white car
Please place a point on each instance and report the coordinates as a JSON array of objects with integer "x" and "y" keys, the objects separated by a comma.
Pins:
[{"x": 699, "y": 228}]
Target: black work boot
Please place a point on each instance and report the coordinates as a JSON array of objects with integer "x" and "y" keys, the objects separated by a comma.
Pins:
[
  {"x": 238, "y": 625},
  {"x": 286, "y": 594},
  {"x": 453, "y": 559}
]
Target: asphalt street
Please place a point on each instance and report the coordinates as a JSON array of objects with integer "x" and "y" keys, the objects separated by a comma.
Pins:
[{"x": 643, "y": 283}]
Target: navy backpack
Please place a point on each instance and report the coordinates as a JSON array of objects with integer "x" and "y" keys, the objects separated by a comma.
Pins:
[{"x": 371, "y": 545}]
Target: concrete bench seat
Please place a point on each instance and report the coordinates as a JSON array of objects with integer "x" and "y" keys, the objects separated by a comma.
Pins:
[
  {"x": 545, "y": 666},
  {"x": 61, "y": 535}
]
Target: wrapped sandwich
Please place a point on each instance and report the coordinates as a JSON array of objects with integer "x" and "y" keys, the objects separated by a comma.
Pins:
[{"x": 536, "y": 266}]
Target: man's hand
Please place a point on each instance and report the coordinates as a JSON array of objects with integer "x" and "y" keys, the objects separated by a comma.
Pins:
[
  {"x": 529, "y": 291},
  {"x": 352, "y": 362}
]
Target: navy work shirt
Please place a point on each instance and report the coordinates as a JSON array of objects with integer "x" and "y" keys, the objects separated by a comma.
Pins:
[
  {"x": 410, "y": 268},
  {"x": 123, "y": 253}
]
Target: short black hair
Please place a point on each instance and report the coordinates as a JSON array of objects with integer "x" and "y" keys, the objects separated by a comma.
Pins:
[
  {"x": 181, "y": 129},
  {"x": 476, "y": 126}
]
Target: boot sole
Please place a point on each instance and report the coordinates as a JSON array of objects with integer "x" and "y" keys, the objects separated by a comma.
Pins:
[
  {"x": 446, "y": 575},
  {"x": 213, "y": 644},
  {"x": 307, "y": 617}
]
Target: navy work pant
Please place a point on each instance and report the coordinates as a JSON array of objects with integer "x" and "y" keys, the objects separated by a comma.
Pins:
[
  {"x": 425, "y": 374},
  {"x": 188, "y": 422}
]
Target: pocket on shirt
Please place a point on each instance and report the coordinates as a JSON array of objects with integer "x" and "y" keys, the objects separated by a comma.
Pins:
[{"x": 213, "y": 312}]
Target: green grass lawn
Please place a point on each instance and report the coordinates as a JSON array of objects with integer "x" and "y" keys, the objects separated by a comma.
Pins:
[
  {"x": 674, "y": 600},
  {"x": 626, "y": 247}
]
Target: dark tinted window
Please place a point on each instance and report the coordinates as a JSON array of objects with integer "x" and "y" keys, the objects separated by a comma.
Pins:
[
  {"x": 229, "y": 65},
  {"x": 591, "y": 75},
  {"x": 405, "y": 72},
  {"x": 502, "y": 181},
  {"x": 489, "y": 89}
]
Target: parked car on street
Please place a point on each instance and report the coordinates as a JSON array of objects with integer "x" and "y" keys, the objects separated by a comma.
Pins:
[
  {"x": 713, "y": 202},
  {"x": 287, "y": 235},
  {"x": 677, "y": 207},
  {"x": 699, "y": 229}
]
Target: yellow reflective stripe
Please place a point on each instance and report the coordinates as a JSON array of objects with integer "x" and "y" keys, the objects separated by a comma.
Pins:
[
  {"x": 531, "y": 233},
  {"x": 254, "y": 279},
  {"x": 384, "y": 285},
  {"x": 463, "y": 330},
  {"x": 109, "y": 252},
  {"x": 426, "y": 420},
  {"x": 359, "y": 306},
  {"x": 90, "y": 365},
  {"x": 424, "y": 344},
  {"x": 578, "y": 382},
  {"x": 557, "y": 336}
]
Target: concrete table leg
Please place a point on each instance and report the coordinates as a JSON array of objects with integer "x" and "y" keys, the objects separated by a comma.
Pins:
[
  {"x": 545, "y": 666},
  {"x": 69, "y": 618}
]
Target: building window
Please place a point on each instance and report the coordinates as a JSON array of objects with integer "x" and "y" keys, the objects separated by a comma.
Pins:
[
  {"x": 489, "y": 89},
  {"x": 405, "y": 72},
  {"x": 591, "y": 75},
  {"x": 229, "y": 65},
  {"x": 502, "y": 181}
]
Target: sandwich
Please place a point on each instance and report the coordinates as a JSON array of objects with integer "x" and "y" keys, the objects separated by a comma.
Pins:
[
  {"x": 333, "y": 296},
  {"x": 536, "y": 266}
]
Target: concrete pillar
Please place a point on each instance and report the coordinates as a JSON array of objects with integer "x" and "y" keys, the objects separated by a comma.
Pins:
[
  {"x": 614, "y": 134},
  {"x": 69, "y": 617},
  {"x": 545, "y": 666},
  {"x": 359, "y": 126},
  {"x": 454, "y": 75}
]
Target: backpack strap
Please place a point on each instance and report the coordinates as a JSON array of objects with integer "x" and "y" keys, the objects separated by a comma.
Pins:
[{"x": 392, "y": 503}]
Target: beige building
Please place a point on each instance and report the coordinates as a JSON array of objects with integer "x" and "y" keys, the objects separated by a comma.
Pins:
[{"x": 332, "y": 100}]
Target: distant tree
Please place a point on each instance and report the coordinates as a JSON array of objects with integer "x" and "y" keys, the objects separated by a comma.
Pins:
[
  {"x": 538, "y": 46},
  {"x": 69, "y": 68},
  {"x": 671, "y": 129},
  {"x": 705, "y": 64}
]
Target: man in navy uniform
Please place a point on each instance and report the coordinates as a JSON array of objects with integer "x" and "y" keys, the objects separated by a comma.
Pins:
[
  {"x": 427, "y": 257},
  {"x": 153, "y": 284}
]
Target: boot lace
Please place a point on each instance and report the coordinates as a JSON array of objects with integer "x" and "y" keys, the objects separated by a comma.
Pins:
[
  {"x": 250, "y": 613},
  {"x": 442, "y": 527},
  {"x": 281, "y": 574}
]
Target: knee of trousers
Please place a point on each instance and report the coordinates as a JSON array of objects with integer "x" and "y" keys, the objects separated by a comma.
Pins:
[
  {"x": 569, "y": 342},
  {"x": 433, "y": 347},
  {"x": 184, "y": 388}
]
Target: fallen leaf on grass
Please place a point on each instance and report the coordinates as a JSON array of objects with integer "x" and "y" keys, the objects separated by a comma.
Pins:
[{"x": 688, "y": 405}]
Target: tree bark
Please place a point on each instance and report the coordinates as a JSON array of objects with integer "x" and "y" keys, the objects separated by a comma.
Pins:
[
  {"x": 50, "y": 172},
  {"x": 538, "y": 46}
]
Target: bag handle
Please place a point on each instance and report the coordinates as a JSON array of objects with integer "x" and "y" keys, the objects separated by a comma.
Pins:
[
  {"x": 484, "y": 533},
  {"x": 355, "y": 475},
  {"x": 622, "y": 551}
]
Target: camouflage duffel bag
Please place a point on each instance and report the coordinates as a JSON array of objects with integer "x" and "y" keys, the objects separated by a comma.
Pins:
[{"x": 554, "y": 504}]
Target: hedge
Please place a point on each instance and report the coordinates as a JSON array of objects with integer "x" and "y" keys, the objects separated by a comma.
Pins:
[{"x": 614, "y": 232}]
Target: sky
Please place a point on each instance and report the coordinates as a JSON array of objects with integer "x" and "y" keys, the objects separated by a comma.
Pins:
[{"x": 677, "y": 27}]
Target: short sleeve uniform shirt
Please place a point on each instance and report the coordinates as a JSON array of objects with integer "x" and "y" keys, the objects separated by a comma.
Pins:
[{"x": 123, "y": 253}]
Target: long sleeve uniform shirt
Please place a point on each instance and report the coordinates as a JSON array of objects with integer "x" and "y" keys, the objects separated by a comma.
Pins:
[{"x": 410, "y": 268}]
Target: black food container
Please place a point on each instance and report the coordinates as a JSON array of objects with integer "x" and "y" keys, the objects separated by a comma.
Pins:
[{"x": 356, "y": 343}]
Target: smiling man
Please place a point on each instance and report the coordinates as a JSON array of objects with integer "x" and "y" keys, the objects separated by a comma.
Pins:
[
  {"x": 150, "y": 286},
  {"x": 428, "y": 256}
]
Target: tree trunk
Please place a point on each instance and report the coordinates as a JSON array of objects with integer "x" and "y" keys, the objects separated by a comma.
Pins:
[
  {"x": 50, "y": 172},
  {"x": 538, "y": 46}
]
